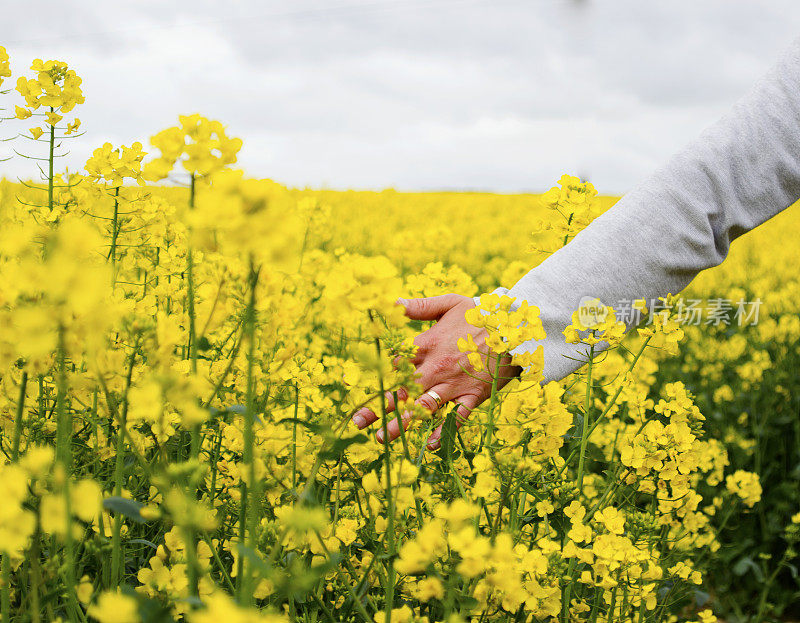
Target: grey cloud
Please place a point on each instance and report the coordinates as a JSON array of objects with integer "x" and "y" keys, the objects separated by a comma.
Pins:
[{"x": 415, "y": 94}]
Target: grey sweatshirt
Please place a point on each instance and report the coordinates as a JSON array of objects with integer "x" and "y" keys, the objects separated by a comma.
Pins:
[{"x": 739, "y": 172}]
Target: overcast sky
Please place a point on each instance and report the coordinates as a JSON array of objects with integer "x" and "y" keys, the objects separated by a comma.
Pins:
[{"x": 498, "y": 95}]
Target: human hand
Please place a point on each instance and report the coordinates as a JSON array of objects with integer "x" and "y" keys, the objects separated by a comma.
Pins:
[{"x": 441, "y": 368}]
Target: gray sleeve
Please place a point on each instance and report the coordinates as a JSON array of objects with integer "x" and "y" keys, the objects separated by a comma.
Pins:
[{"x": 739, "y": 172}]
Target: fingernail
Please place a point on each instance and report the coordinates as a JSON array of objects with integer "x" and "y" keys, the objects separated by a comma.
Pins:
[
  {"x": 403, "y": 302},
  {"x": 359, "y": 421},
  {"x": 433, "y": 443},
  {"x": 379, "y": 436}
]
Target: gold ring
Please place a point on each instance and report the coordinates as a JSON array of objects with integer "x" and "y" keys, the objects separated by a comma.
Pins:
[{"x": 436, "y": 398}]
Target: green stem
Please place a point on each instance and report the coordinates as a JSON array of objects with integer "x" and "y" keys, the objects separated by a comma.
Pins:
[
  {"x": 390, "y": 540},
  {"x": 116, "y": 543},
  {"x": 581, "y": 466},
  {"x": 192, "y": 350},
  {"x": 69, "y": 551},
  {"x": 242, "y": 536},
  {"x": 190, "y": 308},
  {"x": 6, "y": 595},
  {"x": 356, "y": 601},
  {"x": 504, "y": 492},
  {"x": 565, "y": 599},
  {"x": 612, "y": 605},
  {"x": 215, "y": 462},
  {"x": 18, "y": 418},
  {"x": 60, "y": 433},
  {"x": 220, "y": 564},
  {"x": 119, "y": 462},
  {"x": 585, "y": 427},
  {"x": 407, "y": 453},
  {"x": 492, "y": 403},
  {"x": 294, "y": 437},
  {"x": 50, "y": 165},
  {"x": 36, "y": 572},
  {"x": 64, "y": 458},
  {"x": 610, "y": 403},
  {"x": 762, "y": 602},
  {"x": 114, "y": 233},
  {"x": 95, "y": 434},
  {"x": 250, "y": 516},
  {"x": 192, "y": 563},
  {"x": 63, "y": 424},
  {"x": 190, "y": 535},
  {"x": 566, "y": 236},
  {"x": 5, "y": 598}
]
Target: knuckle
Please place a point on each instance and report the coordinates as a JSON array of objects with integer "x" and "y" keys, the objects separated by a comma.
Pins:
[
  {"x": 445, "y": 365},
  {"x": 423, "y": 306},
  {"x": 426, "y": 401},
  {"x": 423, "y": 341},
  {"x": 424, "y": 377},
  {"x": 458, "y": 299},
  {"x": 401, "y": 394},
  {"x": 462, "y": 414}
]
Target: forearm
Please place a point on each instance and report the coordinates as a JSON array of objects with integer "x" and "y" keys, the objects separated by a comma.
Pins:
[{"x": 738, "y": 173}]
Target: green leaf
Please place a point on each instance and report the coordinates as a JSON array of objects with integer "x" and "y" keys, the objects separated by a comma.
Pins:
[
  {"x": 701, "y": 598},
  {"x": 338, "y": 447},
  {"x": 142, "y": 542},
  {"x": 234, "y": 409},
  {"x": 314, "y": 428},
  {"x": 448, "y": 437},
  {"x": 255, "y": 559},
  {"x": 745, "y": 564},
  {"x": 150, "y": 610},
  {"x": 130, "y": 508}
]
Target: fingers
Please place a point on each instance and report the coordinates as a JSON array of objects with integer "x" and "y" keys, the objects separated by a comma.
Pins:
[
  {"x": 465, "y": 406},
  {"x": 466, "y": 403},
  {"x": 431, "y": 308},
  {"x": 393, "y": 426},
  {"x": 366, "y": 416}
]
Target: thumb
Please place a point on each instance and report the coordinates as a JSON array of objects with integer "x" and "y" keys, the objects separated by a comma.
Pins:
[{"x": 430, "y": 308}]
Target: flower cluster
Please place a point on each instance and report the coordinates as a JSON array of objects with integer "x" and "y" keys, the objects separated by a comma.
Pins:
[
  {"x": 593, "y": 323},
  {"x": 201, "y": 145},
  {"x": 575, "y": 204},
  {"x": 113, "y": 166},
  {"x": 56, "y": 87},
  {"x": 5, "y": 65},
  {"x": 508, "y": 325},
  {"x": 746, "y": 485}
]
